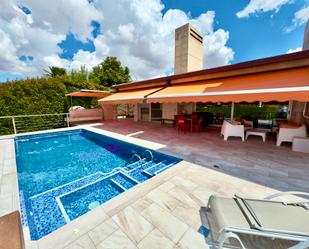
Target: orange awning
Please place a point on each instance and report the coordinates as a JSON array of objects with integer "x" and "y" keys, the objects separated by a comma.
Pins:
[
  {"x": 129, "y": 97},
  {"x": 285, "y": 85},
  {"x": 92, "y": 94}
]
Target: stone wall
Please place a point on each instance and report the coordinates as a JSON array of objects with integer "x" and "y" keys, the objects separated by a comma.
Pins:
[{"x": 110, "y": 112}]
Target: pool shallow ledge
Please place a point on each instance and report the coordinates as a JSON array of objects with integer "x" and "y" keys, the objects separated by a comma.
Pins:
[{"x": 87, "y": 222}]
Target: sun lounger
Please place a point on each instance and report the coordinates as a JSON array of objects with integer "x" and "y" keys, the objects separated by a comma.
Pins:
[{"x": 258, "y": 223}]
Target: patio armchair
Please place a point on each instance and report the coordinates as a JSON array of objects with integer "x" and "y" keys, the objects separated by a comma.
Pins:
[
  {"x": 257, "y": 223},
  {"x": 232, "y": 130},
  {"x": 286, "y": 134}
]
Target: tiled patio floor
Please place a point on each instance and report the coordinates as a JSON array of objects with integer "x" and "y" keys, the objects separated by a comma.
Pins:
[
  {"x": 253, "y": 160},
  {"x": 163, "y": 212}
]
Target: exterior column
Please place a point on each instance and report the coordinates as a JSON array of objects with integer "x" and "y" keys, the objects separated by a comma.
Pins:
[
  {"x": 109, "y": 112},
  {"x": 150, "y": 112},
  {"x": 136, "y": 112},
  {"x": 290, "y": 109}
]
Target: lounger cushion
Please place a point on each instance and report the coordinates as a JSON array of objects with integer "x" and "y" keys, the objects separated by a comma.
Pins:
[
  {"x": 224, "y": 212},
  {"x": 284, "y": 218}
]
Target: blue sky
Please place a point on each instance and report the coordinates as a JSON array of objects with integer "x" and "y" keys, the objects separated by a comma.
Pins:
[
  {"x": 257, "y": 36},
  {"x": 140, "y": 33}
]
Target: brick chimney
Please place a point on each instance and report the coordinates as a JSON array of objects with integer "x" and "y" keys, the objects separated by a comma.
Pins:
[
  {"x": 306, "y": 37},
  {"x": 188, "y": 49}
]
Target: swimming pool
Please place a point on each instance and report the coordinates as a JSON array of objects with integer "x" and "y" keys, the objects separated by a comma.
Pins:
[{"x": 63, "y": 175}]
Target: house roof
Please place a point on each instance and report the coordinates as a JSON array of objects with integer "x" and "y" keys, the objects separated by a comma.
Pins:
[{"x": 275, "y": 63}]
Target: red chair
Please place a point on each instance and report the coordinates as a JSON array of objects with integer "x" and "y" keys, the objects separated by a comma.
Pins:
[
  {"x": 197, "y": 126},
  {"x": 176, "y": 118},
  {"x": 194, "y": 118},
  {"x": 182, "y": 125}
]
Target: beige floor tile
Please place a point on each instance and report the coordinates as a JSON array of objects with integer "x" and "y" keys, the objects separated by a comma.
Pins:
[
  {"x": 141, "y": 204},
  {"x": 192, "y": 240},
  {"x": 183, "y": 183},
  {"x": 168, "y": 224},
  {"x": 135, "y": 226},
  {"x": 156, "y": 240},
  {"x": 185, "y": 197},
  {"x": 83, "y": 242},
  {"x": 167, "y": 186},
  {"x": 188, "y": 215},
  {"x": 203, "y": 194},
  {"x": 118, "y": 240},
  {"x": 165, "y": 200},
  {"x": 73, "y": 230},
  {"x": 102, "y": 231}
]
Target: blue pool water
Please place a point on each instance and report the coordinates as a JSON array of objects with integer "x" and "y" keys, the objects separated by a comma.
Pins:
[{"x": 63, "y": 175}]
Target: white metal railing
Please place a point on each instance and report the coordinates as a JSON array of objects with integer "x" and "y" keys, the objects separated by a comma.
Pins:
[{"x": 27, "y": 123}]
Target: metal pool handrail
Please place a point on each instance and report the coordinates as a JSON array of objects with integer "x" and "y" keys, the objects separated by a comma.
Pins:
[
  {"x": 149, "y": 152},
  {"x": 20, "y": 124},
  {"x": 134, "y": 155}
]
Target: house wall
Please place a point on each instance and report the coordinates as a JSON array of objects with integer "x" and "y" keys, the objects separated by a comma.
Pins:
[
  {"x": 169, "y": 110},
  {"x": 86, "y": 113}
]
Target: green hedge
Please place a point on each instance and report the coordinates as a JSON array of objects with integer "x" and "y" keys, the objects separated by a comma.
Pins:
[{"x": 31, "y": 96}]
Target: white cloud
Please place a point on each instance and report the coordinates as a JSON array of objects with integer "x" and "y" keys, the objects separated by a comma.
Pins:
[
  {"x": 64, "y": 16},
  {"x": 294, "y": 50},
  {"x": 39, "y": 33},
  {"x": 143, "y": 38},
  {"x": 256, "y": 6},
  {"x": 135, "y": 31},
  {"x": 300, "y": 17}
]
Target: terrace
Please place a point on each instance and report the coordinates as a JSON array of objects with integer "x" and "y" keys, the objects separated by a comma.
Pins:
[
  {"x": 164, "y": 212},
  {"x": 253, "y": 160}
]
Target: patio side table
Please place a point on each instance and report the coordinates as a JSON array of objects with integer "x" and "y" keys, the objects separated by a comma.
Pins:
[{"x": 256, "y": 132}]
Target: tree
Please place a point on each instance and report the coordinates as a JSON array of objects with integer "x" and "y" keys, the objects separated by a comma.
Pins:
[
  {"x": 55, "y": 71},
  {"x": 110, "y": 72}
]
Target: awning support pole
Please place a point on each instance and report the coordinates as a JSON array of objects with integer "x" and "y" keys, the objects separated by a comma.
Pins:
[{"x": 232, "y": 111}]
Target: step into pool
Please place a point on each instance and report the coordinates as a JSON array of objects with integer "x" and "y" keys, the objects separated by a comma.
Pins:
[{"x": 63, "y": 175}]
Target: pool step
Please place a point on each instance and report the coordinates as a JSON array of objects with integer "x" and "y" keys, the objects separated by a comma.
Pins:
[
  {"x": 164, "y": 168},
  {"x": 147, "y": 165},
  {"x": 155, "y": 168},
  {"x": 139, "y": 175},
  {"x": 134, "y": 165},
  {"x": 123, "y": 181}
]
